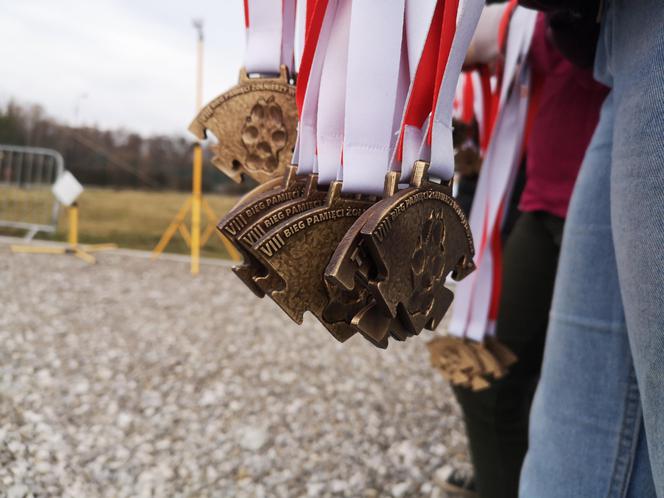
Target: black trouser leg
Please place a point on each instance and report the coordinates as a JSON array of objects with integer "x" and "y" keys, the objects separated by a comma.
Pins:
[{"x": 497, "y": 418}]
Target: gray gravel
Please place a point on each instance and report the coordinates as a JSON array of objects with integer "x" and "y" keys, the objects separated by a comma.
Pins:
[{"x": 133, "y": 379}]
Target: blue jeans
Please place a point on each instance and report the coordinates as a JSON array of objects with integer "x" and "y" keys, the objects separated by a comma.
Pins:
[{"x": 597, "y": 421}]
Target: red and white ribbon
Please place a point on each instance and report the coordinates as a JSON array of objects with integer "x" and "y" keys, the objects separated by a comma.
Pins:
[
  {"x": 350, "y": 92},
  {"x": 319, "y": 30},
  {"x": 442, "y": 149},
  {"x": 426, "y": 131},
  {"x": 420, "y": 98},
  {"x": 356, "y": 75},
  {"x": 476, "y": 294},
  {"x": 418, "y": 20}
]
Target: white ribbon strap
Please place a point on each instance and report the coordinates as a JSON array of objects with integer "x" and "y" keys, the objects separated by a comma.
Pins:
[
  {"x": 374, "y": 67},
  {"x": 509, "y": 131},
  {"x": 270, "y": 35},
  {"x": 418, "y": 19},
  {"x": 300, "y": 28},
  {"x": 442, "y": 150},
  {"x": 332, "y": 97},
  {"x": 403, "y": 88},
  {"x": 473, "y": 294},
  {"x": 305, "y": 146},
  {"x": 289, "y": 12}
]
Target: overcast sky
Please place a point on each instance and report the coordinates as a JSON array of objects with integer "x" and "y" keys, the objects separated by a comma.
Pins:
[{"x": 122, "y": 63}]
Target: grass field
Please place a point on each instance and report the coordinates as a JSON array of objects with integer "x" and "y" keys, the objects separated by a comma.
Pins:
[{"x": 130, "y": 218}]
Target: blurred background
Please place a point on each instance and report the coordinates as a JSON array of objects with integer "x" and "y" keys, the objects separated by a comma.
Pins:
[{"x": 111, "y": 85}]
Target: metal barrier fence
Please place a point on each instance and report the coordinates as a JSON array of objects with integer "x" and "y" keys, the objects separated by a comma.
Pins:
[{"x": 26, "y": 177}]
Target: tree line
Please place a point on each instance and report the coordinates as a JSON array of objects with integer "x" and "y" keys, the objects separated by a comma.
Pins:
[{"x": 110, "y": 158}]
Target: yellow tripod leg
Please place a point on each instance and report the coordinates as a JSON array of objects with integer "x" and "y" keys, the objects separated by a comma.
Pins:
[
  {"x": 184, "y": 231},
  {"x": 88, "y": 258},
  {"x": 196, "y": 195},
  {"x": 170, "y": 231},
  {"x": 211, "y": 217}
]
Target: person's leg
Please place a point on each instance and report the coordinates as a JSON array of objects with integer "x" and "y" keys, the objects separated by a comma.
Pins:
[
  {"x": 497, "y": 418},
  {"x": 466, "y": 192},
  {"x": 586, "y": 415},
  {"x": 513, "y": 212},
  {"x": 637, "y": 202}
]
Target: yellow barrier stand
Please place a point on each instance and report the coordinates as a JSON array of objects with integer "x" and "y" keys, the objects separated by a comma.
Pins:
[
  {"x": 72, "y": 247},
  {"x": 196, "y": 201},
  {"x": 196, "y": 210},
  {"x": 72, "y": 235}
]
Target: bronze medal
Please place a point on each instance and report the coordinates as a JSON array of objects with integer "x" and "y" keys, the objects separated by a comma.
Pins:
[
  {"x": 255, "y": 123},
  {"x": 253, "y": 269},
  {"x": 470, "y": 364},
  {"x": 402, "y": 253},
  {"x": 280, "y": 212},
  {"x": 297, "y": 252},
  {"x": 249, "y": 209}
]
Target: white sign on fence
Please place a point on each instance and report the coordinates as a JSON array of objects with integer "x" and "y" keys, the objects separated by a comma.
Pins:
[{"x": 67, "y": 189}]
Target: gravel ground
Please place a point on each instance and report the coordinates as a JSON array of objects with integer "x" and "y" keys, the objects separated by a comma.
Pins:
[{"x": 133, "y": 379}]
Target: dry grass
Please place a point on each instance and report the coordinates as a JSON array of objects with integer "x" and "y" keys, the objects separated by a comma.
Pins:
[{"x": 130, "y": 218}]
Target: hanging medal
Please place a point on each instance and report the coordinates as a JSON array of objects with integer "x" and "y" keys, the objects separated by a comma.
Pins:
[
  {"x": 255, "y": 214},
  {"x": 240, "y": 219},
  {"x": 255, "y": 121},
  {"x": 471, "y": 355},
  {"x": 298, "y": 249},
  {"x": 405, "y": 246}
]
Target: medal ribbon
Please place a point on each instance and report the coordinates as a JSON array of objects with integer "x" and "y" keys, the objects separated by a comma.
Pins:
[
  {"x": 304, "y": 11},
  {"x": 308, "y": 83},
  {"x": 487, "y": 99},
  {"x": 475, "y": 294},
  {"x": 373, "y": 104},
  {"x": 423, "y": 18},
  {"x": 432, "y": 93},
  {"x": 418, "y": 19},
  {"x": 315, "y": 19},
  {"x": 332, "y": 97},
  {"x": 419, "y": 97},
  {"x": 289, "y": 13},
  {"x": 453, "y": 51},
  {"x": 270, "y": 35},
  {"x": 467, "y": 110}
]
